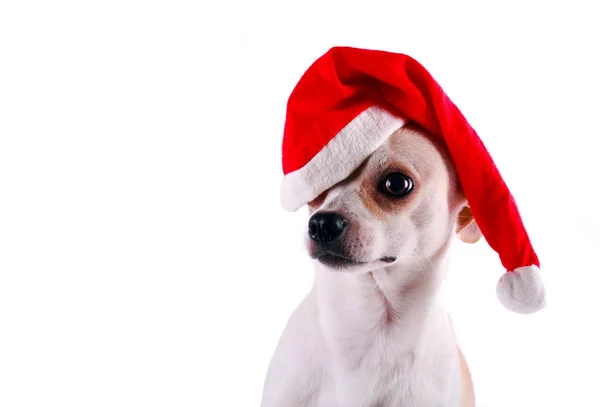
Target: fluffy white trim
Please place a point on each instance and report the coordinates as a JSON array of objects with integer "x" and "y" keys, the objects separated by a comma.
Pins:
[
  {"x": 340, "y": 157},
  {"x": 522, "y": 290}
]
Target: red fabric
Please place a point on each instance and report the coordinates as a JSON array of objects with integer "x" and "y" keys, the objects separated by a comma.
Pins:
[{"x": 345, "y": 81}]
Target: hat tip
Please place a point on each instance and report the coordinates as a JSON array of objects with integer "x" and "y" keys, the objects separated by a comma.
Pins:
[{"x": 522, "y": 290}]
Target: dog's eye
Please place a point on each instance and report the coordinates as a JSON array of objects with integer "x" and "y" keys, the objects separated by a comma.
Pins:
[{"x": 396, "y": 184}]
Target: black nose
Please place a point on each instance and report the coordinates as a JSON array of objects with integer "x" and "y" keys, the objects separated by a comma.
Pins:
[{"x": 325, "y": 227}]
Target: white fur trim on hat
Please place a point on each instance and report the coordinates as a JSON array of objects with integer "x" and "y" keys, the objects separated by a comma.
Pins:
[
  {"x": 340, "y": 157},
  {"x": 522, "y": 290}
]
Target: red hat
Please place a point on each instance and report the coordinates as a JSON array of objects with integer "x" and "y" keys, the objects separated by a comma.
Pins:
[{"x": 351, "y": 100}]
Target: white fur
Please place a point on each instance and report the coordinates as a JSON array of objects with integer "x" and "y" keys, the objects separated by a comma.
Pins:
[
  {"x": 375, "y": 334},
  {"x": 342, "y": 155},
  {"x": 337, "y": 352},
  {"x": 522, "y": 290}
]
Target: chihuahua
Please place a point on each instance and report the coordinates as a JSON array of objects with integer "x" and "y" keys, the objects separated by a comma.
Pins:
[{"x": 372, "y": 331}]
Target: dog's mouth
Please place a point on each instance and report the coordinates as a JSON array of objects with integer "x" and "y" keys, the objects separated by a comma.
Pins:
[{"x": 338, "y": 261}]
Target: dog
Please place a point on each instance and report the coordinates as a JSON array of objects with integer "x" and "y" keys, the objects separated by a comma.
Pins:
[{"x": 372, "y": 331}]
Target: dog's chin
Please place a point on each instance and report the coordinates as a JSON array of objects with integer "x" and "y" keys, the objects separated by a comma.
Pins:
[
  {"x": 341, "y": 263},
  {"x": 337, "y": 262}
]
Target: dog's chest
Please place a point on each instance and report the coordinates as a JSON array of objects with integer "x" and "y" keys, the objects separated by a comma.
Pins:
[{"x": 382, "y": 378}]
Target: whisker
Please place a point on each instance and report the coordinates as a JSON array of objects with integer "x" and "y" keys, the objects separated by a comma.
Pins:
[{"x": 421, "y": 268}]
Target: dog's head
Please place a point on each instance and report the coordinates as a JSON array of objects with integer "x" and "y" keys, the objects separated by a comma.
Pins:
[{"x": 403, "y": 204}]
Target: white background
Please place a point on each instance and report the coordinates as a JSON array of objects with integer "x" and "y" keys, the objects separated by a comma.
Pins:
[{"x": 144, "y": 257}]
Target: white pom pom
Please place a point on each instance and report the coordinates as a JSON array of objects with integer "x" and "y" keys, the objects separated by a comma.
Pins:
[{"x": 522, "y": 290}]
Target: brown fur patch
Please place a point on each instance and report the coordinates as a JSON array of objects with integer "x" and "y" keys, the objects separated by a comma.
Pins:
[
  {"x": 467, "y": 398},
  {"x": 465, "y": 217},
  {"x": 318, "y": 201},
  {"x": 467, "y": 229},
  {"x": 368, "y": 196}
]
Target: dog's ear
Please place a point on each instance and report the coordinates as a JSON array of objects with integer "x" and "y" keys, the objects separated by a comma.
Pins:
[{"x": 466, "y": 227}]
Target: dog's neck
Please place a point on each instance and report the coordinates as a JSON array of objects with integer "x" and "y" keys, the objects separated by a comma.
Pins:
[{"x": 396, "y": 302}]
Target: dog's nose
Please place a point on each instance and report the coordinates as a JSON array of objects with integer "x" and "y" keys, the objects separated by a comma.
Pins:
[{"x": 325, "y": 227}]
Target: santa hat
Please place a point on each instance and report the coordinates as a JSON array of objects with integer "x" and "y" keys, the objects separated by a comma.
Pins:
[{"x": 345, "y": 106}]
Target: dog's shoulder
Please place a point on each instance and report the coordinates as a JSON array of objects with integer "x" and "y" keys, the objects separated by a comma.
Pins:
[{"x": 295, "y": 371}]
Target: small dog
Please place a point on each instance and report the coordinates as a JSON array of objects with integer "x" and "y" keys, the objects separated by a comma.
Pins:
[{"x": 372, "y": 331}]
